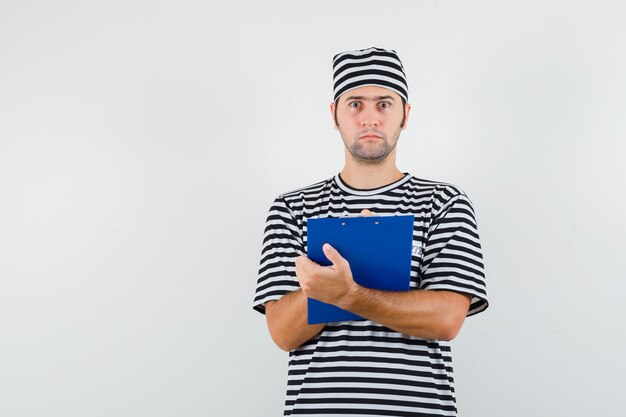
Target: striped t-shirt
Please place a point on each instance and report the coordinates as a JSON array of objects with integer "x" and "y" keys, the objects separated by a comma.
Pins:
[{"x": 362, "y": 367}]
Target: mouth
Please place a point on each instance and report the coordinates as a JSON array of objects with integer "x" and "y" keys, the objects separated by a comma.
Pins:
[{"x": 370, "y": 137}]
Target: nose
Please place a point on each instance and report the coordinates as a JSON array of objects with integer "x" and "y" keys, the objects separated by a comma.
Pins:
[{"x": 369, "y": 117}]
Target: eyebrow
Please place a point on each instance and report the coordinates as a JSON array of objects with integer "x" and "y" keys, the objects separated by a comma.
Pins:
[{"x": 363, "y": 98}]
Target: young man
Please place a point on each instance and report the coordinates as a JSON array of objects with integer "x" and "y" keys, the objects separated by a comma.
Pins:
[{"x": 397, "y": 362}]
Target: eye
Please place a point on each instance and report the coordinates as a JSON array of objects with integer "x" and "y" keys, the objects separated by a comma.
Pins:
[
  {"x": 354, "y": 105},
  {"x": 384, "y": 104}
]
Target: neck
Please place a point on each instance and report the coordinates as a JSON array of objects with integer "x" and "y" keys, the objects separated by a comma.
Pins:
[{"x": 366, "y": 176}]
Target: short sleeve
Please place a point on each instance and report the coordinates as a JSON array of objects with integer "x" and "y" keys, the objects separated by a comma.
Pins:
[
  {"x": 282, "y": 244},
  {"x": 452, "y": 258}
]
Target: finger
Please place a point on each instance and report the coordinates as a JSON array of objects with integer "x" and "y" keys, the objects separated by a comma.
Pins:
[
  {"x": 366, "y": 212},
  {"x": 304, "y": 262},
  {"x": 332, "y": 254}
]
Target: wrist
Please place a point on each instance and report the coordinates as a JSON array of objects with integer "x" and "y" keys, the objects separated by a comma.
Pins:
[{"x": 351, "y": 297}]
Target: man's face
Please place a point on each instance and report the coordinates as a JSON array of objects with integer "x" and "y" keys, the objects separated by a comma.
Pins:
[{"x": 369, "y": 119}]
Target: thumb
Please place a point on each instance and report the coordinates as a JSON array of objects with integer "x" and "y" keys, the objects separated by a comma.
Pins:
[
  {"x": 366, "y": 212},
  {"x": 332, "y": 254}
]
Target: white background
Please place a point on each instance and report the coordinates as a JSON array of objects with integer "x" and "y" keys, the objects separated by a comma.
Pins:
[{"x": 142, "y": 142}]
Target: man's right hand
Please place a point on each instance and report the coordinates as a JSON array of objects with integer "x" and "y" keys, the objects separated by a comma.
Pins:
[{"x": 287, "y": 318}]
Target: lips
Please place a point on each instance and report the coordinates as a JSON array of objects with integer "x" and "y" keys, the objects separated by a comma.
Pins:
[{"x": 370, "y": 136}]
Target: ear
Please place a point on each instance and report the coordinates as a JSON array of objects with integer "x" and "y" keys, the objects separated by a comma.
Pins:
[
  {"x": 407, "y": 108},
  {"x": 332, "y": 114}
]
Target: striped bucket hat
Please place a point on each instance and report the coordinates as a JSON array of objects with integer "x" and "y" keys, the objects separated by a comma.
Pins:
[{"x": 371, "y": 66}]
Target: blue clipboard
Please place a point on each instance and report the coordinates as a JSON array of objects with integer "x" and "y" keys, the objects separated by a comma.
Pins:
[{"x": 378, "y": 249}]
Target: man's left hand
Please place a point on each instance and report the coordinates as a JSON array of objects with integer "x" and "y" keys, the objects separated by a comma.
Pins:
[{"x": 330, "y": 284}]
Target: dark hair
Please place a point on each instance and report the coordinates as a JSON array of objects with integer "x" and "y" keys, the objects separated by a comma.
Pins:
[{"x": 403, "y": 112}]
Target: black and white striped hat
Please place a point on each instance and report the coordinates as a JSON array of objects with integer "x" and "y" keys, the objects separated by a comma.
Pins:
[{"x": 371, "y": 66}]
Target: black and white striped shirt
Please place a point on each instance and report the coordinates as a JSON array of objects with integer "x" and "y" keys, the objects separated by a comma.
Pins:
[{"x": 362, "y": 367}]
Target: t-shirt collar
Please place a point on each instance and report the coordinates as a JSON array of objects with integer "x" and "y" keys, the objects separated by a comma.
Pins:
[{"x": 371, "y": 191}]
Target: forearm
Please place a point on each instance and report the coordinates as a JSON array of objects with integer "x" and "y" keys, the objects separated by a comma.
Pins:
[
  {"x": 287, "y": 321},
  {"x": 422, "y": 313}
]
